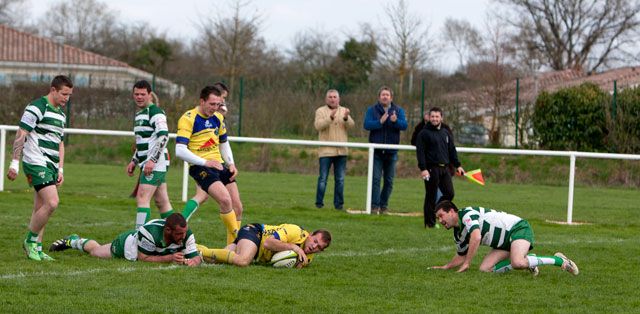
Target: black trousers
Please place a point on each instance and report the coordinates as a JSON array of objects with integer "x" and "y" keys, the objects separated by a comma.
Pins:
[{"x": 440, "y": 178}]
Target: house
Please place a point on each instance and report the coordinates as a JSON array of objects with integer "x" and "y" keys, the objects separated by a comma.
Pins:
[{"x": 27, "y": 57}]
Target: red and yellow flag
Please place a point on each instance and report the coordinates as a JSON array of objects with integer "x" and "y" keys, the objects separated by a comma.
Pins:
[{"x": 474, "y": 176}]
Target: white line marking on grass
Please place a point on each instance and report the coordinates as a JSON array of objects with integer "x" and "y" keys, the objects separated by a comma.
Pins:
[{"x": 388, "y": 251}]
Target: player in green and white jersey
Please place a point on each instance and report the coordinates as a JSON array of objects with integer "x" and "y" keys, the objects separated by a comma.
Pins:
[
  {"x": 510, "y": 236},
  {"x": 152, "y": 135},
  {"x": 158, "y": 241},
  {"x": 39, "y": 141}
]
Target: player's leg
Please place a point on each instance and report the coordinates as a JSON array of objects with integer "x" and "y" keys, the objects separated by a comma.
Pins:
[
  {"x": 232, "y": 188},
  {"x": 96, "y": 250},
  {"x": 45, "y": 202},
  {"x": 143, "y": 200},
  {"x": 195, "y": 202},
  {"x": 339, "y": 170},
  {"x": 494, "y": 257},
  {"x": 161, "y": 198},
  {"x": 228, "y": 216},
  {"x": 245, "y": 251}
]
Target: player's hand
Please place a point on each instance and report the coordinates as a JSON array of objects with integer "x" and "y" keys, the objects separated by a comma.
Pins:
[
  {"x": 384, "y": 117},
  {"x": 12, "y": 174},
  {"x": 212, "y": 163},
  {"x": 437, "y": 267},
  {"x": 60, "y": 179},
  {"x": 131, "y": 167},
  {"x": 148, "y": 168},
  {"x": 302, "y": 257},
  {"x": 394, "y": 117},
  {"x": 462, "y": 268},
  {"x": 234, "y": 172},
  {"x": 178, "y": 257}
]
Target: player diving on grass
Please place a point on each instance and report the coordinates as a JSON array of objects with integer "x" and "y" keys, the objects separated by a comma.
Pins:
[
  {"x": 510, "y": 236},
  {"x": 202, "y": 142},
  {"x": 158, "y": 241},
  {"x": 259, "y": 242}
]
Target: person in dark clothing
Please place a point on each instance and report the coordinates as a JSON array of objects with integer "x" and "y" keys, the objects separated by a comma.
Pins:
[{"x": 435, "y": 150}]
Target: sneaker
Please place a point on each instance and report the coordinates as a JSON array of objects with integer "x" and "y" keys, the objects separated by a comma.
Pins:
[
  {"x": 45, "y": 257},
  {"x": 567, "y": 264},
  {"x": 384, "y": 210},
  {"x": 319, "y": 206},
  {"x": 62, "y": 244},
  {"x": 535, "y": 271},
  {"x": 374, "y": 210},
  {"x": 32, "y": 250}
]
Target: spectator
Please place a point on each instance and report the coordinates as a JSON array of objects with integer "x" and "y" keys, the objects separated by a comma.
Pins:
[
  {"x": 384, "y": 120},
  {"x": 332, "y": 122}
]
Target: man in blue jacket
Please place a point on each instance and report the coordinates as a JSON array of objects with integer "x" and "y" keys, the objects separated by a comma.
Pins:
[{"x": 384, "y": 120}]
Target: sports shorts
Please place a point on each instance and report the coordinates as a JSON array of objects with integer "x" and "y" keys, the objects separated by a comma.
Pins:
[
  {"x": 39, "y": 176},
  {"x": 522, "y": 230},
  {"x": 205, "y": 176},
  {"x": 156, "y": 178},
  {"x": 125, "y": 246},
  {"x": 251, "y": 232}
]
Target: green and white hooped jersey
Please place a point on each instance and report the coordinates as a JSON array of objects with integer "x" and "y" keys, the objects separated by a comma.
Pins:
[
  {"x": 495, "y": 228},
  {"x": 45, "y": 125},
  {"x": 151, "y": 241},
  {"x": 150, "y": 123}
]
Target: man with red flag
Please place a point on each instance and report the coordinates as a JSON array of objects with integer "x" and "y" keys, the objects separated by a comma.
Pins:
[{"x": 435, "y": 150}]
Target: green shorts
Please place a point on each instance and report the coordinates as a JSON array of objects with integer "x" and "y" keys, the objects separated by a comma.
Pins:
[
  {"x": 522, "y": 230},
  {"x": 157, "y": 178},
  {"x": 125, "y": 246},
  {"x": 39, "y": 175}
]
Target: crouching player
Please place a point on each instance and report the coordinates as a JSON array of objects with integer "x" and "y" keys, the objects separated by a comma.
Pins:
[
  {"x": 158, "y": 241},
  {"x": 259, "y": 242},
  {"x": 510, "y": 236}
]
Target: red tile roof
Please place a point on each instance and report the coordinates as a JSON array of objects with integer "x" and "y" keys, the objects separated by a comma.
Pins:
[{"x": 18, "y": 46}]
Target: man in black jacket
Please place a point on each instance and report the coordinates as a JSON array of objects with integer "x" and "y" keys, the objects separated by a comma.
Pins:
[{"x": 435, "y": 150}]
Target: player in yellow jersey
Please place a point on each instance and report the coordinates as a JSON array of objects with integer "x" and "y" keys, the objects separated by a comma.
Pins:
[
  {"x": 202, "y": 142},
  {"x": 259, "y": 242}
]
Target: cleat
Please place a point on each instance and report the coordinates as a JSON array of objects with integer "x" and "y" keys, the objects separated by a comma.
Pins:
[
  {"x": 32, "y": 250},
  {"x": 567, "y": 264},
  {"x": 45, "y": 257},
  {"x": 62, "y": 244},
  {"x": 535, "y": 271}
]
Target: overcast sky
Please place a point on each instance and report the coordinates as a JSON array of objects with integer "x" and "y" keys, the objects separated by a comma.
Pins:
[{"x": 284, "y": 18}]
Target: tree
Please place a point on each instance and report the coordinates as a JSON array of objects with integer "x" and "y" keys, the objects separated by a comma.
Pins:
[
  {"x": 153, "y": 55},
  {"x": 462, "y": 37},
  {"x": 12, "y": 13},
  {"x": 403, "y": 47},
  {"x": 354, "y": 63},
  {"x": 579, "y": 35}
]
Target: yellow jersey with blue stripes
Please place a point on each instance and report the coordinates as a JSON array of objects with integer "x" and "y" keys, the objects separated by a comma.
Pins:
[
  {"x": 202, "y": 134},
  {"x": 288, "y": 233}
]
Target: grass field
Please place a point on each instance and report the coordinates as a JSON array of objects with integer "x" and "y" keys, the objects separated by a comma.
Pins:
[{"x": 375, "y": 264}]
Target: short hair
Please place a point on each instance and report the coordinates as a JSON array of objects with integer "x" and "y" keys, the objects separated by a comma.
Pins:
[
  {"x": 208, "y": 90},
  {"x": 383, "y": 88},
  {"x": 142, "y": 84},
  {"x": 325, "y": 235},
  {"x": 332, "y": 91},
  {"x": 436, "y": 109},
  {"x": 446, "y": 205},
  {"x": 221, "y": 87},
  {"x": 60, "y": 81},
  {"x": 174, "y": 220}
]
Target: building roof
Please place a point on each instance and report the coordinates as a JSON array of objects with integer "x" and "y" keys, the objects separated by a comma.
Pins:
[{"x": 18, "y": 46}]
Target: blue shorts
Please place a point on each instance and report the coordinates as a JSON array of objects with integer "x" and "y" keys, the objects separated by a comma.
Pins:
[
  {"x": 251, "y": 232},
  {"x": 205, "y": 177}
]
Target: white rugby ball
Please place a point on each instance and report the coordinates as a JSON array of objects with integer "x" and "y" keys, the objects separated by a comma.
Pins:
[{"x": 286, "y": 259}]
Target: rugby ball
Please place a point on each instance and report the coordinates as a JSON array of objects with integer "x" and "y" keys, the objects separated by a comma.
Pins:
[{"x": 285, "y": 259}]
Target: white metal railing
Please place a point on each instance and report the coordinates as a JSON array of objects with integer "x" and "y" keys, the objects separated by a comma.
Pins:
[{"x": 371, "y": 147}]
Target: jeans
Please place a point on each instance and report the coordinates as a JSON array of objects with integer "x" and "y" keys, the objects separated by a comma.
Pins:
[
  {"x": 339, "y": 168},
  {"x": 383, "y": 164}
]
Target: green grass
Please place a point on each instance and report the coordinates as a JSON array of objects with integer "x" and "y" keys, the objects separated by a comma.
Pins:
[{"x": 375, "y": 264}]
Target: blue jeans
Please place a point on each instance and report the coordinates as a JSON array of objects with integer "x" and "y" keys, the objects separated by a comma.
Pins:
[
  {"x": 339, "y": 168},
  {"x": 383, "y": 163}
]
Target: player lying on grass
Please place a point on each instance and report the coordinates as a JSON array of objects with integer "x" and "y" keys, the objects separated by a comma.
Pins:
[
  {"x": 158, "y": 241},
  {"x": 510, "y": 236},
  {"x": 259, "y": 242}
]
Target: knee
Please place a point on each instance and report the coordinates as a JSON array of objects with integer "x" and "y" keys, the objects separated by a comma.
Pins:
[
  {"x": 52, "y": 204},
  {"x": 486, "y": 269},
  {"x": 520, "y": 263},
  {"x": 241, "y": 261}
]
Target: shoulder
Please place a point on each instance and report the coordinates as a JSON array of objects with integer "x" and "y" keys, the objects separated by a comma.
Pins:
[
  {"x": 154, "y": 110},
  {"x": 190, "y": 115},
  {"x": 219, "y": 116},
  {"x": 39, "y": 104}
]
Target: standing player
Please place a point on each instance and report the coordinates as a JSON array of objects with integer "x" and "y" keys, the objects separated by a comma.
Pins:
[
  {"x": 202, "y": 142},
  {"x": 510, "y": 236},
  {"x": 158, "y": 241},
  {"x": 232, "y": 186},
  {"x": 152, "y": 135},
  {"x": 40, "y": 138},
  {"x": 260, "y": 242}
]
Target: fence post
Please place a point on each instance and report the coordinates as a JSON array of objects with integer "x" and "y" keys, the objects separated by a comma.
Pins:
[
  {"x": 615, "y": 105},
  {"x": 3, "y": 143},
  {"x": 422, "y": 98},
  {"x": 240, "y": 106},
  {"x": 185, "y": 180},
  {"x": 369, "y": 180},
  {"x": 517, "y": 106},
  {"x": 572, "y": 173}
]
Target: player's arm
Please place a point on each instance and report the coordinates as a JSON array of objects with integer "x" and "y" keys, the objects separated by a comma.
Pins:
[
  {"x": 175, "y": 257},
  {"x": 60, "y": 164},
  {"x": 155, "y": 153},
  {"x": 227, "y": 156},
  {"x": 18, "y": 145},
  {"x": 275, "y": 245},
  {"x": 131, "y": 167},
  {"x": 455, "y": 262},
  {"x": 474, "y": 243}
]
